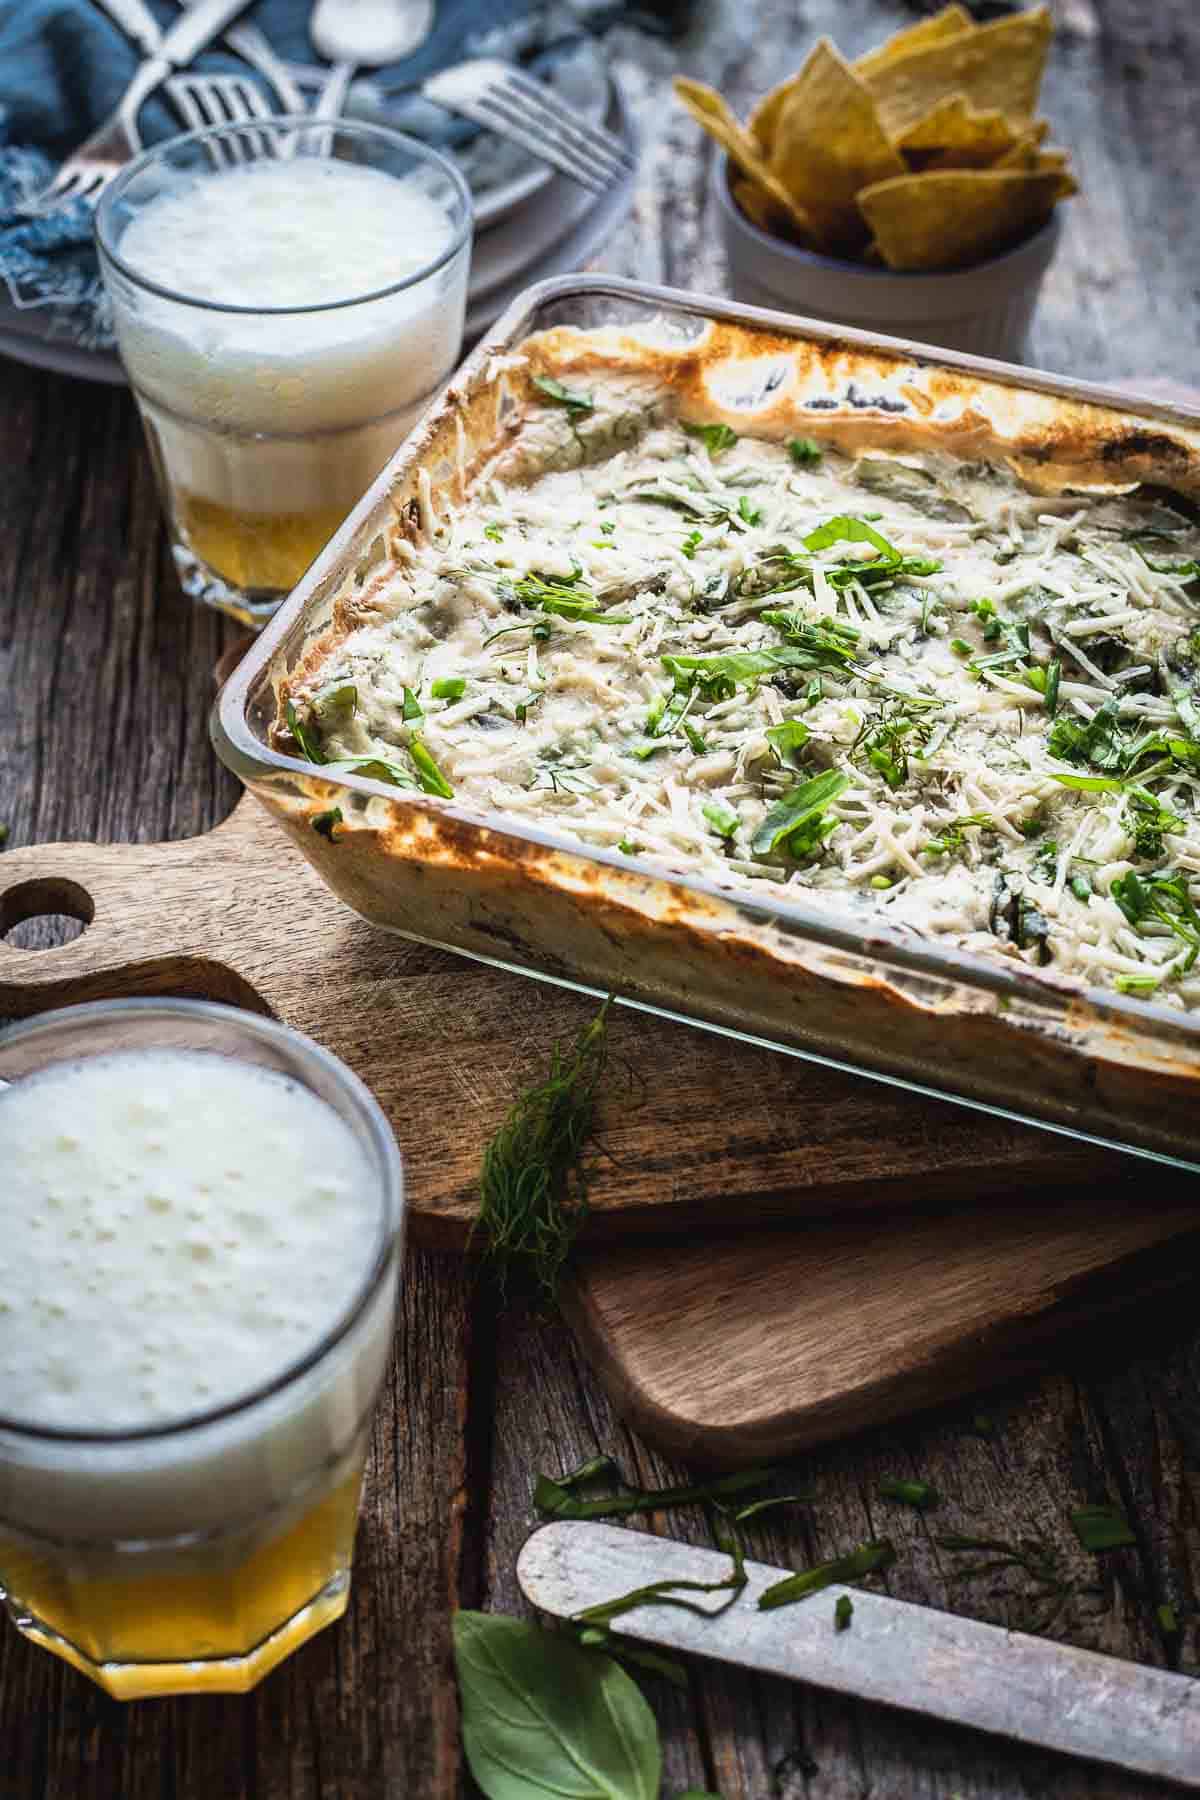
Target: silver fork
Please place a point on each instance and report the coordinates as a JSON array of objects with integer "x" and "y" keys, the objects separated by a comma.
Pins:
[
  {"x": 507, "y": 102},
  {"x": 202, "y": 100},
  {"x": 86, "y": 173}
]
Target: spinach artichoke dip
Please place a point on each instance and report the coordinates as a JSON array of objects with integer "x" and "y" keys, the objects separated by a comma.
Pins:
[{"x": 902, "y": 687}]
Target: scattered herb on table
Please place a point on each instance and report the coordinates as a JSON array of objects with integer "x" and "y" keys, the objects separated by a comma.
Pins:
[
  {"x": 558, "y": 1496},
  {"x": 1100, "y": 1528},
  {"x": 919, "y": 1494},
  {"x": 843, "y": 1612},
  {"x": 867, "y": 1559},
  {"x": 532, "y": 1187}
]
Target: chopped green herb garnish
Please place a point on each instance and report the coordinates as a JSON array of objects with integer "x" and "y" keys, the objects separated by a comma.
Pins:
[
  {"x": 627, "y": 848},
  {"x": 748, "y": 511},
  {"x": 694, "y": 739},
  {"x": 448, "y": 687},
  {"x": 310, "y": 749},
  {"x": 715, "y": 438},
  {"x": 843, "y": 1612},
  {"x": 843, "y": 529},
  {"x": 796, "y": 822},
  {"x": 567, "y": 599},
  {"x": 919, "y": 1494},
  {"x": 722, "y": 818},
  {"x": 1149, "y": 824},
  {"x": 1101, "y": 1528},
  {"x": 322, "y": 823},
  {"x": 571, "y": 398},
  {"x": 868, "y": 1559},
  {"x": 960, "y": 647},
  {"x": 952, "y": 837},
  {"x": 1164, "y": 899},
  {"x": 788, "y": 740},
  {"x": 886, "y": 739},
  {"x": 428, "y": 773},
  {"x": 719, "y": 677},
  {"x": 1050, "y": 690},
  {"x": 412, "y": 707},
  {"x": 805, "y": 452},
  {"x": 691, "y": 542},
  {"x": 494, "y": 532},
  {"x": 372, "y": 768}
]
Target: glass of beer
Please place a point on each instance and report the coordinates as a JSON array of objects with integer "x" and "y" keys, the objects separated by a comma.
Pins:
[
  {"x": 287, "y": 297},
  {"x": 200, "y": 1227}
]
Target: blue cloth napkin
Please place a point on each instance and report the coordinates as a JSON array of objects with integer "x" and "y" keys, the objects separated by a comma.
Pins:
[{"x": 64, "y": 66}]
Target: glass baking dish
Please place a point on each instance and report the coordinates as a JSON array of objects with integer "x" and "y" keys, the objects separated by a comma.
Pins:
[{"x": 1018, "y": 1041}]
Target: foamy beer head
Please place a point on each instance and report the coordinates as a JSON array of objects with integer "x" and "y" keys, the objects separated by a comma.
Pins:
[
  {"x": 284, "y": 318},
  {"x": 199, "y": 1269}
]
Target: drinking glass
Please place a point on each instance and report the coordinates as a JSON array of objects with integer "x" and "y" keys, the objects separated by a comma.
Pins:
[
  {"x": 267, "y": 422},
  {"x": 193, "y": 1556}
]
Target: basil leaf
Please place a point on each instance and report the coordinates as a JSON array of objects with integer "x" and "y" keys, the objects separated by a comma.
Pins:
[
  {"x": 720, "y": 676},
  {"x": 715, "y": 438},
  {"x": 802, "y": 803},
  {"x": 571, "y": 398},
  {"x": 541, "y": 1717}
]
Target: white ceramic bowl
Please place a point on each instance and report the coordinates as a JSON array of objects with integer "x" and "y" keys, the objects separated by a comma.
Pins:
[{"x": 986, "y": 309}]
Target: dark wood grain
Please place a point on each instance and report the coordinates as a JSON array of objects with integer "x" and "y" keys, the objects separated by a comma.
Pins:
[{"x": 104, "y": 681}]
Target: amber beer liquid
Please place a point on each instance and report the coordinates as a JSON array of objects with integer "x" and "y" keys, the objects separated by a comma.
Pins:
[
  {"x": 283, "y": 319},
  {"x": 193, "y": 1328}
]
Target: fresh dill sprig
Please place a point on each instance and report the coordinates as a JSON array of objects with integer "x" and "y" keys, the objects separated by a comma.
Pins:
[{"x": 532, "y": 1186}]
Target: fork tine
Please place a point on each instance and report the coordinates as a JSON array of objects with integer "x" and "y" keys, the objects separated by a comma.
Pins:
[
  {"x": 495, "y": 113},
  {"x": 549, "y": 106}
]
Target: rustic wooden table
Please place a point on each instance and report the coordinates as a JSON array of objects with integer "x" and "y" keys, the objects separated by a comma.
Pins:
[{"x": 106, "y": 679}]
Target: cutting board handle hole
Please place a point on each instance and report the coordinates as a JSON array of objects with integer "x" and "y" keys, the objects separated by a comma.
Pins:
[{"x": 44, "y": 913}]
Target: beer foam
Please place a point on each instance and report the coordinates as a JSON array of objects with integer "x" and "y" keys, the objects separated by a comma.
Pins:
[
  {"x": 176, "y": 1229},
  {"x": 266, "y": 412}
]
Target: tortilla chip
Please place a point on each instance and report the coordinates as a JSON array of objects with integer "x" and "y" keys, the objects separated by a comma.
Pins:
[
  {"x": 952, "y": 21},
  {"x": 760, "y": 208},
  {"x": 998, "y": 66},
  {"x": 709, "y": 110},
  {"x": 828, "y": 143},
  {"x": 954, "y": 136},
  {"x": 950, "y": 218},
  {"x": 1027, "y": 153}
]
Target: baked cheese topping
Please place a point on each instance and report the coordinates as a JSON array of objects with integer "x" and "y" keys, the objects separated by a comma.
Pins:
[{"x": 902, "y": 687}]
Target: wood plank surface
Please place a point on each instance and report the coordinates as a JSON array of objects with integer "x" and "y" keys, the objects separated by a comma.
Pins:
[{"x": 105, "y": 678}]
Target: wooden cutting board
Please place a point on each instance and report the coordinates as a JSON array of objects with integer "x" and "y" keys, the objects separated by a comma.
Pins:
[
  {"x": 697, "y": 1129},
  {"x": 726, "y": 1349}
]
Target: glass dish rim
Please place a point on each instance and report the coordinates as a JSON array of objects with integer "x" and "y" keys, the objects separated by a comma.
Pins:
[
  {"x": 282, "y": 121},
  {"x": 249, "y": 758},
  {"x": 391, "y": 1222}
]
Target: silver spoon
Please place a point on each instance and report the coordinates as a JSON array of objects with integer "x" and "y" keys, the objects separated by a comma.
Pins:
[{"x": 354, "y": 34}]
